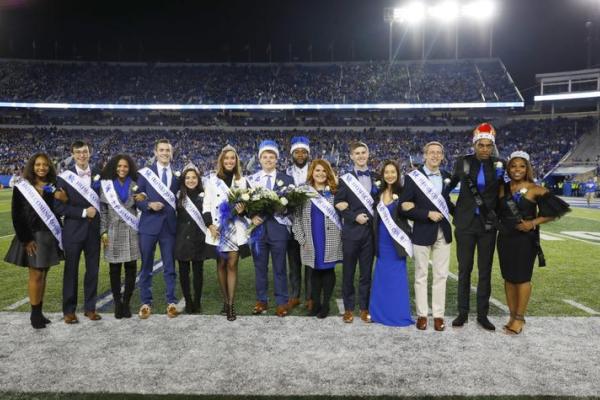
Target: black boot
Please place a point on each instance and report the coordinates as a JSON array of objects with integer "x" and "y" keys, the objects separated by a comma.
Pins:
[
  {"x": 46, "y": 320},
  {"x": 197, "y": 305},
  {"x": 224, "y": 309},
  {"x": 315, "y": 310},
  {"x": 36, "y": 317},
  {"x": 126, "y": 309},
  {"x": 323, "y": 312},
  {"x": 189, "y": 304},
  {"x": 130, "y": 271},
  {"x": 118, "y": 308}
]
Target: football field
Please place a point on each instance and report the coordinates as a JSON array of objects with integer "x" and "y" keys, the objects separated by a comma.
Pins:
[{"x": 205, "y": 356}]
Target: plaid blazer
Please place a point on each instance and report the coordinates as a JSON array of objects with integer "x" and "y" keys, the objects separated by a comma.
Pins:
[
  {"x": 302, "y": 228},
  {"x": 122, "y": 239}
]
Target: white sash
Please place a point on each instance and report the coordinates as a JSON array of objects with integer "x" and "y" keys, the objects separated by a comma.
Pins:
[
  {"x": 428, "y": 190},
  {"x": 160, "y": 187},
  {"x": 359, "y": 190},
  {"x": 327, "y": 208},
  {"x": 394, "y": 230},
  {"x": 254, "y": 181},
  {"x": 111, "y": 196},
  {"x": 79, "y": 185},
  {"x": 41, "y": 208},
  {"x": 193, "y": 211}
]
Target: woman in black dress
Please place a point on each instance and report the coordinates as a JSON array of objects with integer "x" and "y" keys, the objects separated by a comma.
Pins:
[
  {"x": 34, "y": 245},
  {"x": 190, "y": 239},
  {"x": 523, "y": 207}
]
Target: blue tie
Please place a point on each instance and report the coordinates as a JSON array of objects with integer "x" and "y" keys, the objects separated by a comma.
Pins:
[
  {"x": 363, "y": 173},
  {"x": 164, "y": 177},
  {"x": 480, "y": 183},
  {"x": 269, "y": 183}
]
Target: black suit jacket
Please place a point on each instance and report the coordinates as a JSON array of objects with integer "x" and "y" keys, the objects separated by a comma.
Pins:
[
  {"x": 76, "y": 228},
  {"x": 425, "y": 231},
  {"x": 352, "y": 230},
  {"x": 464, "y": 212}
]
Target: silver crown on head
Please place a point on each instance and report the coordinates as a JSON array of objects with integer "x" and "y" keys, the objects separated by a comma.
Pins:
[
  {"x": 191, "y": 165},
  {"x": 519, "y": 154},
  {"x": 228, "y": 147}
]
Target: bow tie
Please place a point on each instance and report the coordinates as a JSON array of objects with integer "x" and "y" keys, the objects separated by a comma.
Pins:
[
  {"x": 85, "y": 173},
  {"x": 363, "y": 173},
  {"x": 434, "y": 174}
]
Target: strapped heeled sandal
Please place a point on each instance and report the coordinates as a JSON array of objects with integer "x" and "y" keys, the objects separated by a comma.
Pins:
[
  {"x": 231, "y": 316},
  {"x": 510, "y": 331}
]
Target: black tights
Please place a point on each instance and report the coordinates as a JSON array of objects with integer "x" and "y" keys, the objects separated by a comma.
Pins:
[
  {"x": 322, "y": 281},
  {"x": 184, "y": 280},
  {"x": 227, "y": 271},
  {"x": 115, "y": 280}
]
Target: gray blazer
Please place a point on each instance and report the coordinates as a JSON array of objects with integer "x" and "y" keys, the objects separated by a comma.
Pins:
[
  {"x": 301, "y": 227},
  {"x": 122, "y": 239}
]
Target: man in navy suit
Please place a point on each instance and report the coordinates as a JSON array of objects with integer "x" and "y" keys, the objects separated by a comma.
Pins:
[
  {"x": 426, "y": 188},
  {"x": 357, "y": 236},
  {"x": 81, "y": 232},
  {"x": 158, "y": 225},
  {"x": 274, "y": 236}
]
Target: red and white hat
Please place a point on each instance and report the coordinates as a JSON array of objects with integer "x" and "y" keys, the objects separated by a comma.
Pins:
[{"x": 484, "y": 131}]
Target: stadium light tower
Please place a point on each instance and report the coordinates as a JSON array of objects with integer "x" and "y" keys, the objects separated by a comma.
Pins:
[
  {"x": 410, "y": 14},
  {"x": 482, "y": 11}
]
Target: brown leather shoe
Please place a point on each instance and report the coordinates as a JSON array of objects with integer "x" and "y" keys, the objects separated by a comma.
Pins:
[
  {"x": 348, "y": 317},
  {"x": 438, "y": 324},
  {"x": 282, "y": 310},
  {"x": 260, "y": 308},
  {"x": 422, "y": 323},
  {"x": 293, "y": 302},
  {"x": 172, "y": 311},
  {"x": 93, "y": 315},
  {"x": 365, "y": 316},
  {"x": 71, "y": 319},
  {"x": 145, "y": 311},
  {"x": 309, "y": 304}
]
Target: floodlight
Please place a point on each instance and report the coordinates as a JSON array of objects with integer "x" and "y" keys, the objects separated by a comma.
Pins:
[
  {"x": 446, "y": 11},
  {"x": 412, "y": 13},
  {"x": 481, "y": 10}
]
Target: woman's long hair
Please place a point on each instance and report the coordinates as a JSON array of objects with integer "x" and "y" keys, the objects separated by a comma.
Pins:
[
  {"x": 110, "y": 169},
  {"x": 183, "y": 190},
  {"x": 237, "y": 169},
  {"x": 331, "y": 178},
  {"x": 29, "y": 174}
]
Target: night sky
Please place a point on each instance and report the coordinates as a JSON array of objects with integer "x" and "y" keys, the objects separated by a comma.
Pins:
[{"x": 530, "y": 36}]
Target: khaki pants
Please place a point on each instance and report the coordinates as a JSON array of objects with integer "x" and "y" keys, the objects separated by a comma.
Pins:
[{"x": 440, "y": 257}]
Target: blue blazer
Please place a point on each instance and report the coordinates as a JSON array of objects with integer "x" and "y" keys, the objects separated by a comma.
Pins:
[
  {"x": 77, "y": 229},
  {"x": 425, "y": 230},
  {"x": 273, "y": 230},
  {"x": 352, "y": 229},
  {"x": 152, "y": 222}
]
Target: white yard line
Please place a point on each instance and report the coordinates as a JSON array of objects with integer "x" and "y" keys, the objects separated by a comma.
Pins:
[
  {"x": 18, "y": 304},
  {"x": 549, "y": 237},
  {"x": 7, "y": 236},
  {"x": 574, "y": 238},
  {"x": 494, "y": 301},
  {"x": 581, "y": 307}
]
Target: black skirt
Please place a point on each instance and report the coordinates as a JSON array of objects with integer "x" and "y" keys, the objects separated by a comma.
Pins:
[
  {"x": 211, "y": 252},
  {"x": 48, "y": 253}
]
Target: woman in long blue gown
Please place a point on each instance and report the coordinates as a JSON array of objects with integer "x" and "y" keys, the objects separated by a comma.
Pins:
[{"x": 390, "y": 298}]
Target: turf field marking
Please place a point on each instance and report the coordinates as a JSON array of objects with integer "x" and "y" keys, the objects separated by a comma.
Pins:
[
  {"x": 18, "y": 304},
  {"x": 586, "y": 218},
  {"x": 109, "y": 297},
  {"x": 546, "y": 236},
  {"x": 7, "y": 236},
  {"x": 574, "y": 238},
  {"x": 581, "y": 307}
]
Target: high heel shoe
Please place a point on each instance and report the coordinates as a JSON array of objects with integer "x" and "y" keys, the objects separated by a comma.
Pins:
[
  {"x": 231, "y": 316},
  {"x": 512, "y": 331},
  {"x": 224, "y": 309}
]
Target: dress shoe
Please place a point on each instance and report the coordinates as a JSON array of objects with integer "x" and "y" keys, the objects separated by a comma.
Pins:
[
  {"x": 323, "y": 312},
  {"x": 365, "y": 316},
  {"x": 486, "y": 324},
  {"x": 438, "y": 324},
  {"x": 314, "y": 310},
  {"x": 309, "y": 304},
  {"x": 93, "y": 315},
  {"x": 71, "y": 319},
  {"x": 145, "y": 311},
  {"x": 460, "y": 320},
  {"x": 282, "y": 310},
  {"x": 422, "y": 323},
  {"x": 172, "y": 311},
  {"x": 348, "y": 317},
  {"x": 260, "y": 308},
  {"x": 293, "y": 302},
  {"x": 36, "y": 318}
]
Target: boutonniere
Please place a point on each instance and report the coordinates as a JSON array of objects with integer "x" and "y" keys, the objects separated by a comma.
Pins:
[
  {"x": 446, "y": 181},
  {"x": 378, "y": 184},
  {"x": 96, "y": 178},
  {"x": 394, "y": 197},
  {"x": 135, "y": 188},
  {"x": 327, "y": 191},
  {"x": 499, "y": 165},
  {"x": 50, "y": 188},
  {"x": 523, "y": 191},
  {"x": 177, "y": 174},
  {"x": 201, "y": 195},
  {"x": 279, "y": 182}
]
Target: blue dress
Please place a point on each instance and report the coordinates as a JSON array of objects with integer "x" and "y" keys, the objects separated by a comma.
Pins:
[
  {"x": 318, "y": 235},
  {"x": 390, "y": 299}
]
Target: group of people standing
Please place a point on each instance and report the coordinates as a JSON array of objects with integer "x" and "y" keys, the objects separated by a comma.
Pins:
[{"x": 349, "y": 219}]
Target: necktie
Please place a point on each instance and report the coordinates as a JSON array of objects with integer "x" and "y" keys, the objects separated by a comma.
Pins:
[
  {"x": 85, "y": 173},
  {"x": 480, "y": 183},
  {"x": 363, "y": 173},
  {"x": 269, "y": 182},
  {"x": 164, "y": 177}
]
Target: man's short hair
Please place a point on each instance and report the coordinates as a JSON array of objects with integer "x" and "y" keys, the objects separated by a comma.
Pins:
[
  {"x": 434, "y": 143},
  {"x": 357, "y": 144},
  {"x": 159, "y": 141},
  {"x": 79, "y": 144}
]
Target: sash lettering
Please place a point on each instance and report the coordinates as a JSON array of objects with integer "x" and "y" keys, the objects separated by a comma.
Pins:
[
  {"x": 84, "y": 190},
  {"x": 428, "y": 190},
  {"x": 359, "y": 190},
  {"x": 327, "y": 208},
  {"x": 108, "y": 188},
  {"x": 160, "y": 187},
  {"x": 193, "y": 211},
  {"x": 394, "y": 230}
]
